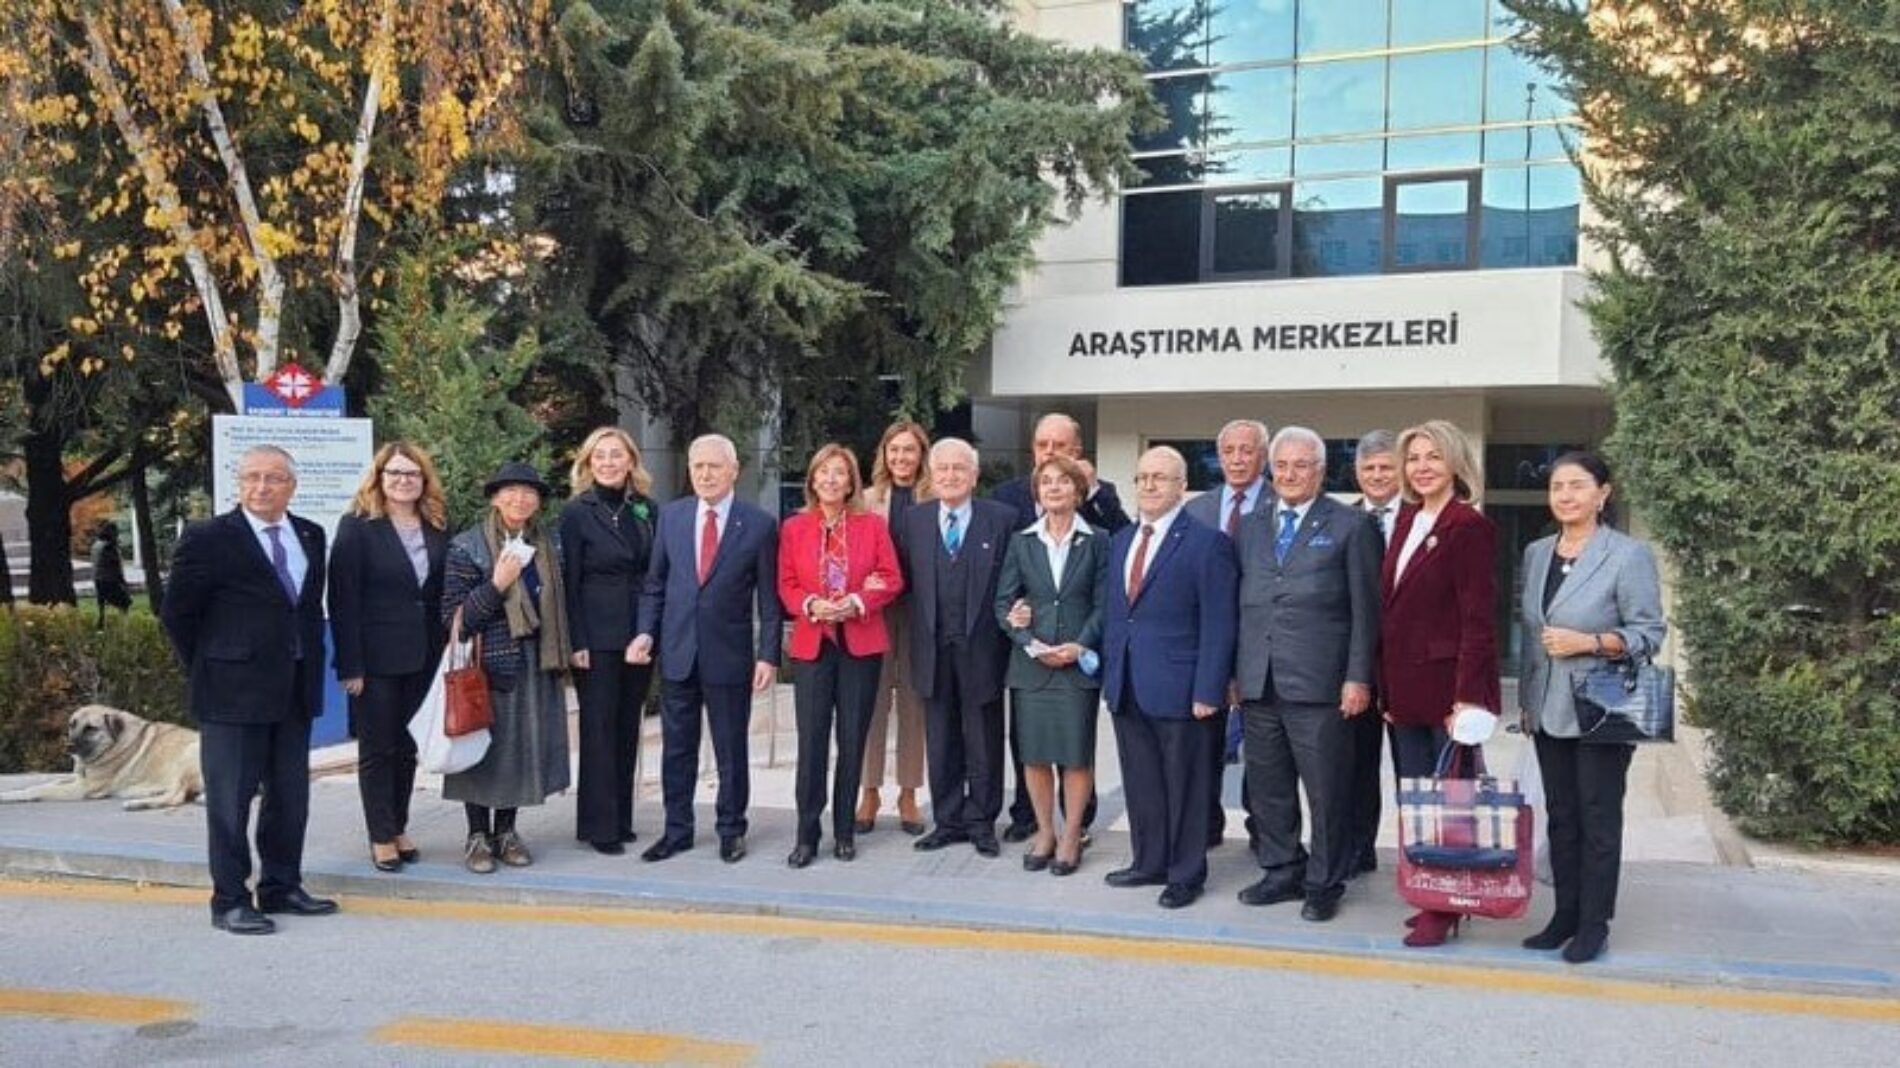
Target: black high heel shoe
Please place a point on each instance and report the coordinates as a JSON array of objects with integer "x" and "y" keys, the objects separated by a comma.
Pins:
[
  {"x": 393, "y": 864},
  {"x": 1588, "y": 944},
  {"x": 1554, "y": 934}
]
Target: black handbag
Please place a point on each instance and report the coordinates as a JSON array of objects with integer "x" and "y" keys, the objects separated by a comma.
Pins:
[{"x": 1626, "y": 701}]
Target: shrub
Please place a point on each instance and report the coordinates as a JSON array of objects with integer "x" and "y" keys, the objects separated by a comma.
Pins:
[{"x": 53, "y": 659}]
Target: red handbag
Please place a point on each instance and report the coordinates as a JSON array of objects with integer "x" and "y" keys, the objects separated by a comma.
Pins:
[
  {"x": 465, "y": 687},
  {"x": 1465, "y": 845}
]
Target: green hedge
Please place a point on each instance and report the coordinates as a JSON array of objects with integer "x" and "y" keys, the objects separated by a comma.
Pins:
[{"x": 52, "y": 660}]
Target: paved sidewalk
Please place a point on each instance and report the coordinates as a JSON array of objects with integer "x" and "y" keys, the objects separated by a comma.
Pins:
[{"x": 1685, "y": 915}]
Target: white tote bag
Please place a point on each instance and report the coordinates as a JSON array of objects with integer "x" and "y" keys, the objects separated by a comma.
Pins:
[
  {"x": 1530, "y": 780},
  {"x": 436, "y": 752}
]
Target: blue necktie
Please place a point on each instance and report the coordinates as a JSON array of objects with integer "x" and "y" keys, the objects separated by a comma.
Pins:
[
  {"x": 1289, "y": 522},
  {"x": 952, "y": 537},
  {"x": 280, "y": 560}
]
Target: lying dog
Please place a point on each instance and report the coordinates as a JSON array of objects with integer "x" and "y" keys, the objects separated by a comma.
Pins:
[{"x": 118, "y": 754}]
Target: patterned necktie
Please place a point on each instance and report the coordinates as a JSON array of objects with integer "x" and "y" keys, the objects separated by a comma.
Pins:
[
  {"x": 1289, "y": 523},
  {"x": 952, "y": 536},
  {"x": 1139, "y": 570},
  {"x": 1233, "y": 514},
  {"x": 280, "y": 562},
  {"x": 708, "y": 545}
]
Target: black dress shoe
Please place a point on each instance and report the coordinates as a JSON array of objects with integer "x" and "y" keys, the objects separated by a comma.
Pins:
[
  {"x": 1178, "y": 896},
  {"x": 1588, "y": 944},
  {"x": 845, "y": 851},
  {"x": 986, "y": 845},
  {"x": 1036, "y": 861},
  {"x": 663, "y": 849},
  {"x": 1125, "y": 877},
  {"x": 297, "y": 903},
  {"x": 801, "y": 856},
  {"x": 1019, "y": 832},
  {"x": 732, "y": 850},
  {"x": 628, "y": 837},
  {"x": 612, "y": 849},
  {"x": 1554, "y": 934},
  {"x": 1320, "y": 909},
  {"x": 938, "y": 839},
  {"x": 243, "y": 920},
  {"x": 1271, "y": 891}
]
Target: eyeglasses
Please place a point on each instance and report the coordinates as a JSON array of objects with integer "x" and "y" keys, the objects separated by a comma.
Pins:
[
  {"x": 267, "y": 478},
  {"x": 397, "y": 474},
  {"x": 1153, "y": 479}
]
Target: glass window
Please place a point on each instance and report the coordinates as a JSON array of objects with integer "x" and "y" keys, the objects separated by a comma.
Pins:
[
  {"x": 1251, "y": 105},
  {"x": 1431, "y": 223},
  {"x": 1340, "y": 157},
  {"x": 1167, "y": 34},
  {"x": 1181, "y": 105},
  {"x": 1521, "y": 467},
  {"x": 1246, "y": 227},
  {"x": 1250, "y": 165},
  {"x": 1418, "y": 22},
  {"x": 1180, "y": 168},
  {"x": 1521, "y": 144},
  {"x": 1341, "y": 26},
  {"x": 1338, "y": 227},
  {"x": 1438, "y": 89},
  {"x": 1341, "y": 98},
  {"x": 1249, "y": 31},
  {"x": 1432, "y": 152},
  {"x": 1530, "y": 216},
  {"x": 1161, "y": 238},
  {"x": 1517, "y": 90}
]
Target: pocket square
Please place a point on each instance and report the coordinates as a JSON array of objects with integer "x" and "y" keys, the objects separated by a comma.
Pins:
[{"x": 1321, "y": 541}]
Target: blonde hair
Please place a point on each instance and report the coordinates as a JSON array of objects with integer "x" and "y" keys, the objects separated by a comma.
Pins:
[
  {"x": 581, "y": 475},
  {"x": 853, "y": 501},
  {"x": 881, "y": 472},
  {"x": 1467, "y": 471},
  {"x": 370, "y": 503}
]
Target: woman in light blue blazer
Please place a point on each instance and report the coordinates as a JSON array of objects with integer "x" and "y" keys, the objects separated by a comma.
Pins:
[{"x": 1591, "y": 594}]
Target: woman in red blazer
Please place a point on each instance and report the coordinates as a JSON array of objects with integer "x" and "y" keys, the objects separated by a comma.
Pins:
[
  {"x": 837, "y": 570},
  {"x": 1438, "y": 635}
]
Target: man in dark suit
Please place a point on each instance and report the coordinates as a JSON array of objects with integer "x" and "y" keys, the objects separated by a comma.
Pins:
[
  {"x": 244, "y": 609},
  {"x": 1242, "y": 446},
  {"x": 952, "y": 550},
  {"x": 714, "y": 559},
  {"x": 1376, "y": 468},
  {"x": 1309, "y": 607},
  {"x": 1167, "y": 657},
  {"x": 1056, "y": 434}
]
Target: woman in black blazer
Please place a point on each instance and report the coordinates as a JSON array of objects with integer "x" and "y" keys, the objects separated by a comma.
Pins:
[
  {"x": 385, "y": 584},
  {"x": 606, "y": 537}
]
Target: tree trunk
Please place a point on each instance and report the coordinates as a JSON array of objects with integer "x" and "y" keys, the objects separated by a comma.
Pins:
[
  {"x": 49, "y": 519},
  {"x": 148, "y": 539}
]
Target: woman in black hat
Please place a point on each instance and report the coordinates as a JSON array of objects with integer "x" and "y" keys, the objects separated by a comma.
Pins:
[{"x": 504, "y": 578}]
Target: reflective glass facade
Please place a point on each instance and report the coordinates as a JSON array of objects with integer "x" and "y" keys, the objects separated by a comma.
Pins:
[{"x": 1312, "y": 138}]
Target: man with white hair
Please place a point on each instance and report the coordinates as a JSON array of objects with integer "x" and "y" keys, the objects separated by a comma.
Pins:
[
  {"x": 712, "y": 583},
  {"x": 952, "y": 549},
  {"x": 1309, "y": 610}
]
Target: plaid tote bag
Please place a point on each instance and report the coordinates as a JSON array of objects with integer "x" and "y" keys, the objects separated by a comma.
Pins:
[{"x": 1465, "y": 845}]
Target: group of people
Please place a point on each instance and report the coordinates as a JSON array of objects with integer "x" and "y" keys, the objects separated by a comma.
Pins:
[{"x": 1318, "y": 627}]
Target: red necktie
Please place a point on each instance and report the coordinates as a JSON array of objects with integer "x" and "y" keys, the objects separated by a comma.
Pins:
[
  {"x": 1141, "y": 563},
  {"x": 708, "y": 545},
  {"x": 1233, "y": 514}
]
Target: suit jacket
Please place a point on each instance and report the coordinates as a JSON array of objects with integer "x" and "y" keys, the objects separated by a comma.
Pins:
[
  {"x": 603, "y": 570},
  {"x": 984, "y": 545},
  {"x": 1174, "y": 646},
  {"x": 235, "y": 630},
  {"x": 1438, "y": 636},
  {"x": 1206, "y": 506},
  {"x": 868, "y": 554},
  {"x": 382, "y": 620},
  {"x": 710, "y": 627},
  {"x": 1612, "y": 587},
  {"x": 1311, "y": 625},
  {"x": 1068, "y": 612},
  {"x": 1103, "y": 510}
]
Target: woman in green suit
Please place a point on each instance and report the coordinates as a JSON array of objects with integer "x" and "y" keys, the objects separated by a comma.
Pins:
[{"x": 1049, "y": 601}]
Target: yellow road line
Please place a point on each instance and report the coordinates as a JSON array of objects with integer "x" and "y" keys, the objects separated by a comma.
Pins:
[
  {"x": 86, "y": 1005},
  {"x": 495, "y": 1036},
  {"x": 1101, "y": 947}
]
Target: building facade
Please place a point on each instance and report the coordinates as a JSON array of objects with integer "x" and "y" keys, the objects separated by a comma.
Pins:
[{"x": 1360, "y": 214}]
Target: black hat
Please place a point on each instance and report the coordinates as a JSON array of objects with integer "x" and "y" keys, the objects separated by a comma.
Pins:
[{"x": 515, "y": 473}]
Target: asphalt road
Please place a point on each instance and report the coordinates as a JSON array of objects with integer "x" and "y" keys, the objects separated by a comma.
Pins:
[{"x": 111, "y": 975}]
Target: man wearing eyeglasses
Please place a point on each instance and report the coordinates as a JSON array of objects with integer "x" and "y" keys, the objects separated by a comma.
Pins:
[
  {"x": 1309, "y": 610},
  {"x": 244, "y": 610}
]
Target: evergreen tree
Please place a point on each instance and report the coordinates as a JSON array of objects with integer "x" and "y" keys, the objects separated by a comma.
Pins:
[{"x": 1745, "y": 161}]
